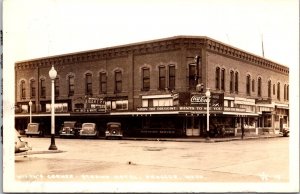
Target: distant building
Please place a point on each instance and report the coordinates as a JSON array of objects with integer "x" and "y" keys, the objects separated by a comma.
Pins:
[{"x": 151, "y": 88}]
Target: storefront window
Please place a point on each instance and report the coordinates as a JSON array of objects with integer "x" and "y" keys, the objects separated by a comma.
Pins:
[
  {"x": 267, "y": 121},
  {"x": 59, "y": 107}
]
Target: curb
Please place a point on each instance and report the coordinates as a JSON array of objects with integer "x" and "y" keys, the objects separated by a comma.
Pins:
[
  {"x": 203, "y": 140},
  {"x": 39, "y": 152}
]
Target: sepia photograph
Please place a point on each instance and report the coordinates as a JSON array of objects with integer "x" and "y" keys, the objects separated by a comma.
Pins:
[{"x": 150, "y": 96}]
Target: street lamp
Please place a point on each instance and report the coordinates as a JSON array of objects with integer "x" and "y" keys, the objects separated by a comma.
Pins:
[
  {"x": 30, "y": 116},
  {"x": 207, "y": 94},
  {"x": 52, "y": 75}
]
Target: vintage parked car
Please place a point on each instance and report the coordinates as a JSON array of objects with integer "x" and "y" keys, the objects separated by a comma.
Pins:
[
  {"x": 20, "y": 144},
  {"x": 34, "y": 129},
  {"x": 113, "y": 129},
  {"x": 88, "y": 130},
  {"x": 286, "y": 132},
  {"x": 70, "y": 129}
]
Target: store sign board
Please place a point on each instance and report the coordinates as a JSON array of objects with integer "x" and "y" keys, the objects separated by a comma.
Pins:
[
  {"x": 179, "y": 108},
  {"x": 216, "y": 99}
]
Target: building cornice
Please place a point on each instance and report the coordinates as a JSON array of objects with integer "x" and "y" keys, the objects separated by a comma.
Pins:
[{"x": 153, "y": 46}]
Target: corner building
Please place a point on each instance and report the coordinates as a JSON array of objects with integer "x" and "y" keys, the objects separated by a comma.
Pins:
[{"x": 157, "y": 88}]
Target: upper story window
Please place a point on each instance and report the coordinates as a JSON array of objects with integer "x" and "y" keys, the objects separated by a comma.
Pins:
[
  {"x": 274, "y": 89},
  {"x": 103, "y": 83},
  {"x": 278, "y": 91},
  {"x": 218, "y": 78},
  {"x": 284, "y": 92},
  {"x": 172, "y": 77},
  {"x": 118, "y": 81},
  {"x": 253, "y": 85},
  {"x": 146, "y": 79},
  {"x": 248, "y": 80},
  {"x": 192, "y": 76},
  {"x": 287, "y": 92},
  {"x": 23, "y": 89},
  {"x": 269, "y": 88},
  {"x": 223, "y": 79},
  {"x": 56, "y": 87},
  {"x": 231, "y": 81},
  {"x": 32, "y": 88},
  {"x": 162, "y": 78},
  {"x": 88, "y": 84},
  {"x": 43, "y": 88},
  {"x": 236, "y": 82},
  {"x": 259, "y": 87},
  {"x": 71, "y": 85}
]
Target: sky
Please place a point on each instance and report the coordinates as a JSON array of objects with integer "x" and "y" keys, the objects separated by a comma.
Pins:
[{"x": 41, "y": 28}]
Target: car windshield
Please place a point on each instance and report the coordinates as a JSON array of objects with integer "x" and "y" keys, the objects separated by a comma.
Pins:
[
  {"x": 69, "y": 124},
  {"x": 114, "y": 126},
  {"x": 32, "y": 126},
  {"x": 88, "y": 125}
]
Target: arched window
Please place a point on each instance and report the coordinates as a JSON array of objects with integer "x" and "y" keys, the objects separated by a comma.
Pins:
[
  {"x": 278, "y": 91},
  {"x": 56, "y": 87},
  {"x": 43, "y": 88},
  {"x": 274, "y": 89},
  {"x": 32, "y": 88},
  {"x": 223, "y": 79},
  {"x": 253, "y": 85},
  {"x": 236, "y": 82},
  {"x": 88, "y": 84},
  {"x": 118, "y": 81},
  {"x": 287, "y": 92},
  {"x": 259, "y": 87},
  {"x": 172, "y": 77},
  {"x": 269, "y": 88},
  {"x": 192, "y": 76},
  {"x": 284, "y": 92},
  {"x": 231, "y": 81},
  {"x": 71, "y": 85},
  {"x": 218, "y": 78},
  {"x": 103, "y": 83},
  {"x": 146, "y": 79},
  {"x": 248, "y": 84},
  {"x": 23, "y": 89}
]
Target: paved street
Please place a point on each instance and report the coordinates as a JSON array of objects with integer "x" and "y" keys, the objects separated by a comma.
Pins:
[{"x": 259, "y": 160}]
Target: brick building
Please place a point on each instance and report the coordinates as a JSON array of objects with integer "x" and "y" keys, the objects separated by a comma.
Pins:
[{"x": 157, "y": 88}]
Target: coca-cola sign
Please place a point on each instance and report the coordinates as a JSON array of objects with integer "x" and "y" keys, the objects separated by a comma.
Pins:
[
  {"x": 216, "y": 99},
  {"x": 198, "y": 99}
]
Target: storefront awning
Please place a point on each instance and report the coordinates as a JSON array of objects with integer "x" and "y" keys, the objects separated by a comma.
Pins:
[
  {"x": 42, "y": 115},
  {"x": 145, "y": 113},
  {"x": 240, "y": 113}
]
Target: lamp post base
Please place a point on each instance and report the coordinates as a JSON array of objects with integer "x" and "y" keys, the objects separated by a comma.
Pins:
[
  {"x": 52, "y": 145},
  {"x": 207, "y": 136}
]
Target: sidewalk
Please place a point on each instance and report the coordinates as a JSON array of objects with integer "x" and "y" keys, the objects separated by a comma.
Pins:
[{"x": 201, "y": 139}]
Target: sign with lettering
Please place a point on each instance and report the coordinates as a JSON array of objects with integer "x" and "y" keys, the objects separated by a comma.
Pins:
[
  {"x": 216, "y": 99},
  {"x": 179, "y": 108}
]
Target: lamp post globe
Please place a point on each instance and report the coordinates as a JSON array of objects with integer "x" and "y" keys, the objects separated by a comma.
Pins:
[
  {"x": 207, "y": 94},
  {"x": 52, "y": 75},
  {"x": 30, "y": 116}
]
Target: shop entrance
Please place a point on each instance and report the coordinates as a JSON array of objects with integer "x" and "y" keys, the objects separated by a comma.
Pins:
[{"x": 195, "y": 126}]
